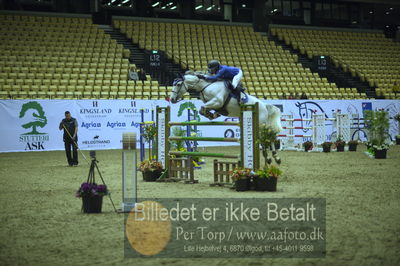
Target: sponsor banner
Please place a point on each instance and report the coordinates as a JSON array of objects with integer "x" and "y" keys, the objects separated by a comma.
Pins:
[{"x": 33, "y": 125}]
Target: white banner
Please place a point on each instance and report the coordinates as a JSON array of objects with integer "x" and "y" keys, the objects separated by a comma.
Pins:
[{"x": 32, "y": 125}]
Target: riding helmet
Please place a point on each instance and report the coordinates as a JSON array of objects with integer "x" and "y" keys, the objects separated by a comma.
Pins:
[{"x": 213, "y": 65}]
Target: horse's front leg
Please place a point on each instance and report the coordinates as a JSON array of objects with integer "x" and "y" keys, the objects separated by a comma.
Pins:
[
  {"x": 266, "y": 159},
  {"x": 206, "y": 113},
  {"x": 214, "y": 104},
  {"x": 275, "y": 154}
]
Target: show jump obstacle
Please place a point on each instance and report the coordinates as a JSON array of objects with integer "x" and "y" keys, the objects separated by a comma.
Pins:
[
  {"x": 341, "y": 125},
  {"x": 129, "y": 179},
  {"x": 249, "y": 128}
]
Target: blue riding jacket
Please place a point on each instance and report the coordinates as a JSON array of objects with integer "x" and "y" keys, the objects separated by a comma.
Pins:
[{"x": 224, "y": 72}]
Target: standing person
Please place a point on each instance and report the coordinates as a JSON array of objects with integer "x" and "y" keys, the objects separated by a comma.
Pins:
[
  {"x": 70, "y": 126},
  {"x": 133, "y": 75},
  {"x": 142, "y": 75}
]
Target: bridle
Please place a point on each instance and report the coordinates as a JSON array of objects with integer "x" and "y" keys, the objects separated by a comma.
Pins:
[{"x": 188, "y": 89}]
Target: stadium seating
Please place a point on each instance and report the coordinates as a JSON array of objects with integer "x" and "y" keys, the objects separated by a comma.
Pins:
[
  {"x": 63, "y": 58},
  {"x": 370, "y": 56},
  {"x": 269, "y": 71}
]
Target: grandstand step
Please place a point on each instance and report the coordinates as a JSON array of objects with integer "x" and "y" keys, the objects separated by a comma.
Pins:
[
  {"x": 341, "y": 78},
  {"x": 137, "y": 57}
]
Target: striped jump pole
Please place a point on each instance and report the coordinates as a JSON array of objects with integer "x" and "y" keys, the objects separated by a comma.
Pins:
[
  {"x": 203, "y": 154},
  {"x": 204, "y": 123},
  {"x": 206, "y": 139},
  {"x": 318, "y": 130}
]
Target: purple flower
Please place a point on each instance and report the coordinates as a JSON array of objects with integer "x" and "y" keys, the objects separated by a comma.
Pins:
[
  {"x": 86, "y": 187},
  {"x": 101, "y": 188},
  {"x": 91, "y": 189}
]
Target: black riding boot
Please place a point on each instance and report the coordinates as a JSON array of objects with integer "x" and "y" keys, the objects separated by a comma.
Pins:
[{"x": 237, "y": 93}]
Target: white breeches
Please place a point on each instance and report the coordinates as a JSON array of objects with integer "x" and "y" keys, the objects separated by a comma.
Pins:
[{"x": 236, "y": 79}]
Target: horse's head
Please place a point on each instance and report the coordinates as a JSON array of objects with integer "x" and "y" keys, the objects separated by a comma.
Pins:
[
  {"x": 178, "y": 90},
  {"x": 182, "y": 85}
]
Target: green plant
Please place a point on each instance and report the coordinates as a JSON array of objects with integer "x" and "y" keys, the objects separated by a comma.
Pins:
[
  {"x": 339, "y": 141},
  {"x": 269, "y": 171},
  {"x": 267, "y": 137},
  {"x": 377, "y": 123},
  {"x": 397, "y": 136},
  {"x": 274, "y": 171},
  {"x": 149, "y": 133},
  {"x": 371, "y": 150},
  {"x": 241, "y": 173},
  {"x": 150, "y": 165},
  {"x": 397, "y": 117},
  {"x": 178, "y": 145}
]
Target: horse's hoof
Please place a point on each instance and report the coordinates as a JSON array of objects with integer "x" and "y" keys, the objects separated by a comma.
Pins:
[
  {"x": 216, "y": 115},
  {"x": 269, "y": 161},
  {"x": 278, "y": 160}
]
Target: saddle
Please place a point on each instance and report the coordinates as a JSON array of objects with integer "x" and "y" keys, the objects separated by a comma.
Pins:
[{"x": 235, "y": 93}]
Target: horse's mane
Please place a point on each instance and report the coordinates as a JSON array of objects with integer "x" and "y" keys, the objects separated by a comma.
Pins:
[
  {"x": 194, "y": 73},
  {"x": 191, "y": 72}
]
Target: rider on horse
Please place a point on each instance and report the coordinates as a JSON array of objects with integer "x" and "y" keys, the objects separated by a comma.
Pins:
[{"x": 233, "y": 74}]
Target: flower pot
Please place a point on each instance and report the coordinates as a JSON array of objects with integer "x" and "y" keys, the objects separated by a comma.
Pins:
[
  {"x": 271, "y": 181},
  {"x": 92, "y": 204},
  {"x": 397, "y": 141},
  {"x": 340, "y": 148},
  {"x": 260, "y": 184},
  {"x": 242, "y": 184},
  {"x": 352, "y": 147},
  {"x": 380, "y": 154},
  {"x": 326, "y": 149},
  {"x": 151, "y": 176}
]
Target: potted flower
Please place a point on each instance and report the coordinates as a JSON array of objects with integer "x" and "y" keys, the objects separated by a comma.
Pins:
[
  {"x": 92, "y": 196},
  {"x": 326, "y": 146},
  {"x": 308, "y": 145},
  {"x": 266, "y": 178},
  {"x": 377, "y": 123},
  {"x": 274, "y": 172},
  {"x": 340, "y": 143},
  {"x": 242, "y": 177},
  {"x": 151, "y": 170},
  {"x": 380, "y": 150},
  {"x": 353, "y": 145}
]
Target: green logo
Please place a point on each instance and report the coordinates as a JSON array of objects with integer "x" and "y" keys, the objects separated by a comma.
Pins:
[
  {"x": 38, "y": 118},
  {"x": 190, "y": 106}
]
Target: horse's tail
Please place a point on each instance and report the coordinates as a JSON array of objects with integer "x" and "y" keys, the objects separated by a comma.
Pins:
[{"x": 274, "y": 117}]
